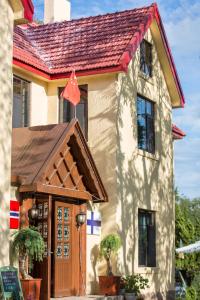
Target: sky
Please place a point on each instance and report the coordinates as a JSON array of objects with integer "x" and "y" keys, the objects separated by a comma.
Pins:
[{"x": 181, "y": 20}]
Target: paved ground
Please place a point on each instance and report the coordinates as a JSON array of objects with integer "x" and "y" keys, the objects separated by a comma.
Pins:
[{"x": 91, "y": 297}]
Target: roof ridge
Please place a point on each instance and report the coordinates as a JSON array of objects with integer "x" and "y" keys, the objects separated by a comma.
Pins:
[{"x": 92, "y": 17}]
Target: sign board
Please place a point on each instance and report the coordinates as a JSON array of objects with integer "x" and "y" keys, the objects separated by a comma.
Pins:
[{"x": 10, "y": 287}]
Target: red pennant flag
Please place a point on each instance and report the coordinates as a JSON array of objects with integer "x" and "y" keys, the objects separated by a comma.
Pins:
[{"x": 71, "y": 92}]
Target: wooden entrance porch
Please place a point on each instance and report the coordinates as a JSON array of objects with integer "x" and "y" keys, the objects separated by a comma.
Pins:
[{"x": 54, "y": 170}]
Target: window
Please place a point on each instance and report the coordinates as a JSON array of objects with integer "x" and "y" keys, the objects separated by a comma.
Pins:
[
  {"x": 20, "y": 115},
  {"x": 147, "y": 241},
  {"x": 146, "y": 58},
  {"x": 66, "y": 110},
  {"x": 145, "y": 124}
]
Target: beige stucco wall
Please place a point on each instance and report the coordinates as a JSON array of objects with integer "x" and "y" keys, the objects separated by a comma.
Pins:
[
  {"x": 6, "y": 29},
  {"x": 39, "y": 102},
  {"x": 133, "y": 178},
  {"x": 143, "y": 180}
]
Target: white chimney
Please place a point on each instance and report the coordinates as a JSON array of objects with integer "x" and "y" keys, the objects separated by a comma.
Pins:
[{"x": 56, "y": 10}]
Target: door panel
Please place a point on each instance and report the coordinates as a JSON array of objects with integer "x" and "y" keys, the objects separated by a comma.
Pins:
[
  {"x": 65, "y": 254},
  {"x": 43, "y": 269}
]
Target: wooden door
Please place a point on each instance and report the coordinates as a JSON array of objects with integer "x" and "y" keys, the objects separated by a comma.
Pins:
[
  {"x": 43, "y": 269},
  {"x": 66, "y": 254}
]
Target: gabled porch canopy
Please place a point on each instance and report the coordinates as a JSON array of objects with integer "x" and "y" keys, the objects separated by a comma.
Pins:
[{"x": 55, "y": 159}]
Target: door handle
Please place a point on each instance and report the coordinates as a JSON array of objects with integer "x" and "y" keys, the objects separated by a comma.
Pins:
[{"x": 50, "y": 252}]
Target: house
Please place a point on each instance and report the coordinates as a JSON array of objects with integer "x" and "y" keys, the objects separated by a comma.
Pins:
[
  {"x": 11, "y": 12},
  {"x": 124, "y": 172}
]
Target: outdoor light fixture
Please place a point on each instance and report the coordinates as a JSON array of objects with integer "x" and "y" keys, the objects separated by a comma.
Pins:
[
  {"x": 80, "y": 218},
  {"x": 33, "y": 212}
]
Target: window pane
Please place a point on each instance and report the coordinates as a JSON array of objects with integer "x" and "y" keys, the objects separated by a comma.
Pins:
[
  {"x": 142, "y": 245},
  {"x": 146, "y": 58},
  {"x": 20, "y": 115},
  {"x": 150, "y": 135},
  {"x": 140, "y": 106},
  {"x": 145, "y": 125},
  {"x": 142, "y": 132},
  {"x": 151, "y": 248},
  {"x": 149, "y": 108},
  {"x": 146, "y": 239},
  {"x": 66, "y": 109},
  {"x": 80, "y": 114}
]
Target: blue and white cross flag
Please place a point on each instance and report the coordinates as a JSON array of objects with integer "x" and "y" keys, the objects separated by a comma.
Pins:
[{"x": 93, "y": 222}]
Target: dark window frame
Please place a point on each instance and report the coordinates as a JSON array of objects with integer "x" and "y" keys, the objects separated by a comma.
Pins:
[
  {"x": 146, "y": 58},
  {"x": 147, "y": 248},
  {"x": 70, "y": 108},
  {"x": 149, "y": 144},
  {"x": 25, "y": 114}
]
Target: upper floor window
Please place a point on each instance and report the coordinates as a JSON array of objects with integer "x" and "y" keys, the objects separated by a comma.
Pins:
[
  {"x": 66, "y": 110},
  {"x": 147, "y": 238},
  {"x": 21, "y": 95},
  {"x": 145, "y": 124},
  {"x": 146, "y": 58}
]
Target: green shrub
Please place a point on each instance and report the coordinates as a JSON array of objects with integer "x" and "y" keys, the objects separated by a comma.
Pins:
[
  {"x": 108, "y": 246},
  {"x": 27, "y": 244},
  {"x": 196, "y": 284},
  {"x": 191, "y": 293},
  {"x": 135, "y": 283}
]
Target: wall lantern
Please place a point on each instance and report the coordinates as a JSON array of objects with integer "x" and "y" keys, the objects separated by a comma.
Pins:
[
  {"x": 33, "y": 212},
  {"x": 80, "y": 218}
]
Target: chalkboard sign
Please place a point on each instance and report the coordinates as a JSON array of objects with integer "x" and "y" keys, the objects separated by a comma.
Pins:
[{"x": 10, "y": 287}]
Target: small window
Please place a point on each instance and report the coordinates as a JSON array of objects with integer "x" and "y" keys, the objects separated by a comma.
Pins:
[
  {"x": 145, "y": 124},
  {"x": 21, "y": 96},
  {"x": 147, "y": 239},
  {"x": 146, "y": 58},
  {"x": 66, "y": 110}
]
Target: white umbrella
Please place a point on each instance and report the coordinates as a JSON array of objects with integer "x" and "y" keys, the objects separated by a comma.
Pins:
[{"x": 190, "y": 248}]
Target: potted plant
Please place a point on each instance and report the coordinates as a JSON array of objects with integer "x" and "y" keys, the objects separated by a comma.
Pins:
[
  {"x": 133, "y": 285},
  {"x": 109, "y": 284},
  {"x": 28, "y": 245}
]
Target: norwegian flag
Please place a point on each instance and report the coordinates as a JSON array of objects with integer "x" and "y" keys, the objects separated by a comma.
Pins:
[{"x": 14, "y": 214}]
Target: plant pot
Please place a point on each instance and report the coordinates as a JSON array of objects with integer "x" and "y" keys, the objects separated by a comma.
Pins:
[
  {"x": 109, "y": 285},
  {"x": 130, "y": 296},
  {"x": 31, "y": 288}
]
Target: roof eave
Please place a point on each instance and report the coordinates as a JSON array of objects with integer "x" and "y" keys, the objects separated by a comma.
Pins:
[
  {"x": 177, "y": 133},
  {"x": 48, "y": 76},
  {"x": 170, "y": 57}
]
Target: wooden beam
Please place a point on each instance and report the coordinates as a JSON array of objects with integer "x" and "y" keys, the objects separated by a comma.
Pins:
[{"x": 55, "y": 190}]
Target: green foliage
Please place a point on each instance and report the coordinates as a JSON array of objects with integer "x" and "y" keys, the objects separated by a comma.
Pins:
[
  {"x": 191, "y": 293},
  {"x": 28, "y": 241},
  {"x": 187, "y": 232},
  {"x": 196, "y": 284},
  {"x": 110, "y": 245},
  {"x": 135, "y": 283}
]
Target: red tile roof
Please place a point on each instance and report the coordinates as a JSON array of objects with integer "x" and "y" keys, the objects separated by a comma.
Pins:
[
  {"x": 178, "y": 134},
  {"x": 93, "y": 44}
]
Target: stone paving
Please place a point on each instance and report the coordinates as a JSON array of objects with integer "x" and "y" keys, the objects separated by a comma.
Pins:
[{"x": 91, "y": 297}]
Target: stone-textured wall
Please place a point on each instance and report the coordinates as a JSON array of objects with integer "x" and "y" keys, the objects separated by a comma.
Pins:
[
  {"x": 6, "y": 29},
  {"x": 144, "y": 180}
]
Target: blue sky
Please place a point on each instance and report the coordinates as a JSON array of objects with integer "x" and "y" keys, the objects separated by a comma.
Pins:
[{"x": 182, "y": 23}]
